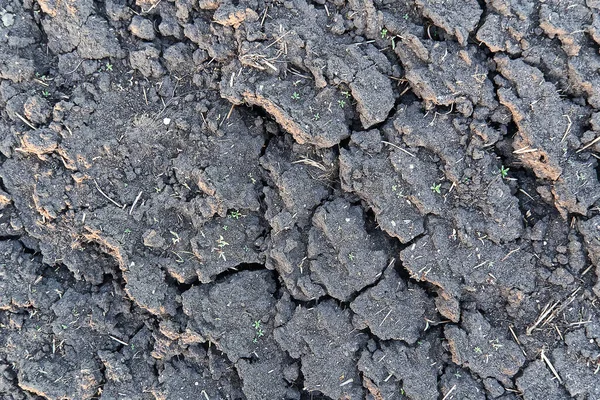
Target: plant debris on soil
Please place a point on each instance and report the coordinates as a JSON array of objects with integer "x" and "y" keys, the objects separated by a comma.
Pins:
[{"x": 299, "y": 199}]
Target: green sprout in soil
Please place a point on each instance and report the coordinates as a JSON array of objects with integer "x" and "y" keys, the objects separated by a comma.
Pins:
[
  {"x": 235, "y": 214},
  {"x": 478, "y": 350},
  {"x": 45, "y": 93},
  {"x": 316, "y": 117},
  {"x": 437, "y": 188},
  {"x": 351, "y": 256},
  {"x": 296, "y": 96},
  {"x": 384, "y": 33},
  {"x": 258, "y": 331},
  {"x": 347, "y": 94},
  {"x": 504, "y": 172},
  {"x": 341, "y": 103},
  {"x": 405, "y": 16},
  {"x": 109, "y": 66}
]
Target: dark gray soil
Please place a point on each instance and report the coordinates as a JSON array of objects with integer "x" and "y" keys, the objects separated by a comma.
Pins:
[{"x": 303, "y": 199}]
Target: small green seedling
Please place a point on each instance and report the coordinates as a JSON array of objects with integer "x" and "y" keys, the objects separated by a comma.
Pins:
[
  {"x": 258, "y": 331},
  {"x": 384, "y": 33},
  {"x": 437, "y": 188},
  {"x": 127, "y": 230},
  {"x": 341, "y": 103},
  {"x": 405, "y": 16},
  {"x": 478, "y": 350},
  {"x": 235, "y": 214},
  {"x": 45, "y": 93},
  {"x": 351, "y": 256},
  {"x": 296, "y": 96},
  {"x": 316, "y": 117},
  {"x": 504, "y": 172},
  {"x": 109, "y": 66},
  {"x": 346, "y": 94}
]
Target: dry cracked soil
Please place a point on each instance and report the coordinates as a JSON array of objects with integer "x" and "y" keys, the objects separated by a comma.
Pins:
[{"x": 299, "y": 199}]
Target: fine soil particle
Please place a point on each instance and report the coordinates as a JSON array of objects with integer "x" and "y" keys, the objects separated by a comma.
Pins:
[{"x": 325, "y": 199}]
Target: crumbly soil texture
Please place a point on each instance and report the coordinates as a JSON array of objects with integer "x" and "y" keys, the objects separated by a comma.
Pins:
[{"x": 299, "y": 199}]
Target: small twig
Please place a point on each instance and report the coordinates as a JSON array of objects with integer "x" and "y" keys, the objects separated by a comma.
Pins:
[
  {"x": 76, "y": 68},
  {"x": 310, "y": 162},
  {"x": 587, "y": 270},
  {"x": 545, "y": 312},
  {"x": 593, "y": 142},
  {"x": 549, "y": 364},
  {"x": 262, "y": 21},
  {"x": 135, "y": 202},
  {"x": 399, "y": 148},
  {"x": 514, "y": 335},
  {"x": 349, "y": 381},
  {"x": 41, "y": 82},
  {"x": 230, "y": 111},
  {"x": 386, "y": 317},
  {"x": 526, "y": 194},
  {"x": 559, "y": 333},
  {"x": 106, "y": 196},
  {"x": 450, "y": 391},
  {"x": 279, "y": 38},
  {"x": 118, "y": 340},
  {"x": 524, "y": 150},
  {"x": 22, "y": 118},
  {"x": 152, "y": 7},
  {"x": 510, "y": 252},
  {"x": 228, "y": 115}
]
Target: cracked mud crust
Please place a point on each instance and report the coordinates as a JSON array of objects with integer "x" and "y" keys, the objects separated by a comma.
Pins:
[{"x": 324, "y": 199}]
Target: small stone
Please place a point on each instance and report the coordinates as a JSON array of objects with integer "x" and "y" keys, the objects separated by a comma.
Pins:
[
  {"x": 39, "y": 142},
  {"x": 153, "y": 239},
  {"x": 142, "y": 28},
  {"x": 8, "y": 19},
  {"x": 37, "y": 110},
  {"x": 561, "y": 277},
  {"x": 167, "y": 121}
]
